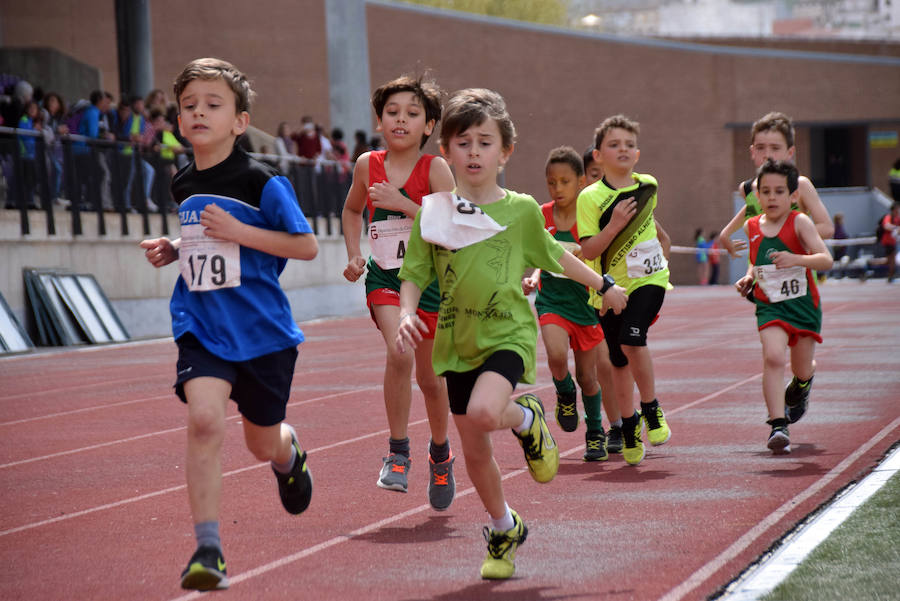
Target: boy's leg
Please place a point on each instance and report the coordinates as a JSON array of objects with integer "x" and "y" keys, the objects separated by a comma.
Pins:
[
  {"x": 556, "y": 342},
  {"x": 441, "y": 483},
  {"x": 397, "y": 398},
  {"x": 641, "y": 364},
  {"x": 614, "y": 441},
  {"x": 774, "y": 343},
  {"x": 586, "y": 375},
  {"x": 490, "y": 396},
  {"x": 278, "y": 445},
  {"x": 207, "y": 399},
  {"x": 803, "y": 366}
]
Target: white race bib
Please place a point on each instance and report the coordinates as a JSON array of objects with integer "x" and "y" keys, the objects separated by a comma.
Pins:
[
  {"x": 781, "y": 284},
  {"x": 645, "y": 259},
  {"x": 388, "y": 240},
  {"x": 207, "y": 263}
]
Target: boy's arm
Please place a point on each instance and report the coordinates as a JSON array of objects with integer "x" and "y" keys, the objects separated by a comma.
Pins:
[
  {"x": 352, "y": 219},
  {"x": 220, "y": 224},
  {"x": 733, "y": 246},
  {"x": 614, "y": 296},
  {"x": 744, "y": 283},
  {"x": 819, "y": 258},
  {"x": 409, "y": 332},
  {"x": 813, "y": 206},
  {"x": 440, "y": 177},
  {"x": 664, "y": 239},
  {"x": 594, "y": 246}
]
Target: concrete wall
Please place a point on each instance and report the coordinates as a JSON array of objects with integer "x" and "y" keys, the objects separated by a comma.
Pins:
[
  {"x": 140, "y": 293},
  {"x": 70, "y": 78}
]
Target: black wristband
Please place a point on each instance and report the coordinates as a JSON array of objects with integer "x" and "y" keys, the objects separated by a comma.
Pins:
[{"x": 608, "y": 282}]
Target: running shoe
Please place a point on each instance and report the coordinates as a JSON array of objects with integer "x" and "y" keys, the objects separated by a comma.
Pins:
[
  {"x": 295, "y": 487},
  {"x": 779, "y": 439},
  {"x": 540, "y": 449},
  {"x": 441, "y": 484},
  {"x": 634, "y": 446},
  {"x": 796, "y": 399},
  {"x": 567, "y": 411},
  {"x": 205, "y": 571},
  {"x": 502, "y": 545},
  {"x": 658, "y": 431},
  {"x": 394, "y": 473},
  {"x": 595, "y": 446},
  {"x": 614, "y": 441}
]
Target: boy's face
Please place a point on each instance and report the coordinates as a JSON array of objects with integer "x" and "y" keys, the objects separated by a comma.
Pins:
[
  {"x": 593, "y": 173},
  {"x": 618, "y": 151},
  {"x": 402, "y": 121},
  {"x": 774, "y": 196},
  {"x": 563, "y": 184},
  {"x": 208, "y": 114},
  {"x": 770, "y": 144},
  {"x": 477, "y": 154}
]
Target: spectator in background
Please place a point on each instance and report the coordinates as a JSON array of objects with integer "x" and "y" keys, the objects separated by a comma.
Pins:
[
  {"x": 376, "y": 143},
  {"x": 840, "y": 233},
  {"x": 360, "y": 146},
  {"x": 890, "y": 227},
  {"x": 167, "y": 147},
  {"x": 714, "y": 258},
  {"x": 284, "y": 147},
  {"x": 327, "y": 149},
  {"x": 31, "y": 121},
  {"x": 156, "y": 99},
  {"x": 894, "y": 180},
  {"x": 308, "y": 144},
  {"x": 338, "y": 147},
  {"x": 140, "y": 136},
  {"x": 702, "y": 257},
  {"x": 54, "y": 111},
  {"x": 93, "y": 175}
]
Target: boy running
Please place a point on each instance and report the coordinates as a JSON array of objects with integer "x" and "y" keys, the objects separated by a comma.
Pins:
[
  {"x": 236, "y": 336},
  {"x": 784, "y": 249}
]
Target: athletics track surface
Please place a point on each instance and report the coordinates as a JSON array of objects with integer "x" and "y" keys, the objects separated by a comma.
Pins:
[{"x": 94, "y": 505}]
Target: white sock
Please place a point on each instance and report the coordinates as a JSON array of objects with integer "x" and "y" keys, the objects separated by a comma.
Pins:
[
  {"x": 504, "y": 523},
  {"x": 526, "y": 422}
]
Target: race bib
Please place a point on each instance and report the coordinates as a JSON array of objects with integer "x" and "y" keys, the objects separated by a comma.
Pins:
[
  {"x": 645, "y": 259},
  {"x": 207, "y": 263},
  {"x": 781, "y": 284},
  {"x": 388, "y": 240}
]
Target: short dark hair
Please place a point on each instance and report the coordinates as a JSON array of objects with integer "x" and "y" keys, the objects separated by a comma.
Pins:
[
  {"x": 96, "y": 96},
  {"x": 587, "y": 158},
  {"x": 473, "y": 106},
  {"x": 567, "y": 156},
  {"x": 425, "y": 90},
  {"x": 785, "y": 168},
  {"x": 620, "y": 121}
]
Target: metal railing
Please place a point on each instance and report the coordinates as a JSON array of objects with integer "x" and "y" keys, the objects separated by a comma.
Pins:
[{"x": 109, "y": 177}]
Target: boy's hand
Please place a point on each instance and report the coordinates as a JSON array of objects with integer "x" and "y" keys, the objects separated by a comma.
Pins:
[
  {"x": 744, "y": 284},
  {"x": 623, "y": 214},
  {"x": 388, "y": 197},
  {"x": 409, "y": 332},
  {"x": 529, "y": 284},
  {"x": 784, "y": 258},
  {"x": 355, "y": 268},
  {"x": 159, "y": 251},
  {"x": 733, "y": 246},
  {"x": 218, "y": 223},
  {"x": 615, "y": 299}
]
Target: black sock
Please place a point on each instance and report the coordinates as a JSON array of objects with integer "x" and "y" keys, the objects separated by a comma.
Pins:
[
  {"x": 778, "y": 422},
  {"x": 439, "y": 453},
  {"x": 399, "y": 447},
  {"x": 651, "y": 406},
  {"x": 631, "y": 421}
]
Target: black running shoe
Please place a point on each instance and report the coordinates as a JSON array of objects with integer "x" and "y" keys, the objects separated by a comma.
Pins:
[
  {"x": 295, "y": 487},
  {"x": 595, "y": 446},
  {"x": 567, "y": 411},
  {"x": 796, "y": 399},
  {"x": 205, "y": 571},
  {"x": 779, "y": 438},
  {"x": 614, "y": 440}
]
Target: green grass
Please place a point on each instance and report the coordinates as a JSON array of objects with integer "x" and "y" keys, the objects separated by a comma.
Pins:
[{"x": 860, "y": 560}]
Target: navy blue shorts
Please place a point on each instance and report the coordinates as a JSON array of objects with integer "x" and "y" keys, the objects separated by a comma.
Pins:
[
  {"x": 460, "y": 384},
  {"x": 260, "y": 386},
  {"x": 630, "y": 326}
]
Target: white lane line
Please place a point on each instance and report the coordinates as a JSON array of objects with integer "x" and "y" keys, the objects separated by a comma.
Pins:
[
  {"x": 741, "y": 544},
  {"x": 772, "y": 571}
]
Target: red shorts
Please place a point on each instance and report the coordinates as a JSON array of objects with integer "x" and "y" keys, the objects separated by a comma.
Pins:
[
  {"x": 581, "y": 338},
  {"x": 387, "y": 296}
]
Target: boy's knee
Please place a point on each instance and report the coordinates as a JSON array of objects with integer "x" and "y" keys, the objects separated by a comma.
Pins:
[{"x": 483, "y": 419}]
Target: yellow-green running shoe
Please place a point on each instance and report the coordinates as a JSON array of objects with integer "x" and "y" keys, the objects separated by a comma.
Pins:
[
  {"x": 540, "y": 449},
  {"x": 658, "y": 431},
  {"x": 502, "y": 545},
  {"x": 634, "y": 446}
]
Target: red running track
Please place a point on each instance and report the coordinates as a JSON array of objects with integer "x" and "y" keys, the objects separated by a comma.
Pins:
[{"x": 94, "y": 504}]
